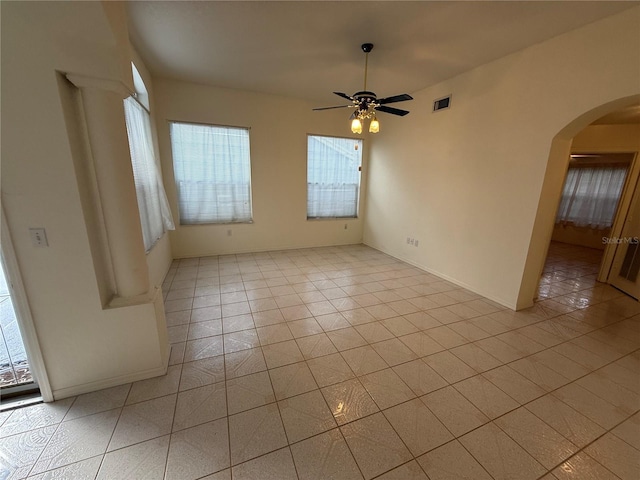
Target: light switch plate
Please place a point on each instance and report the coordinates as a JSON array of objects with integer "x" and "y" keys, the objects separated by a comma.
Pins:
[{"x": 38, "y": 237}]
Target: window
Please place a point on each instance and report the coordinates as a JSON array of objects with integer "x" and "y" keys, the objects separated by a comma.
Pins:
[
  {"x": 212, "y": 168},
  {"x": 333, "y": 177},
  {"x": 590, "y": 196},
  {"x": 155, "y": 215}
]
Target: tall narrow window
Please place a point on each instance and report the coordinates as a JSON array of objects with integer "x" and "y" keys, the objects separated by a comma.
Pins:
[
  {"x": 590, "y": 196},
  {"x": 155, "y": 215},
  {"x": 333, "y": 177},
  {"x": 212, "y": 169}
]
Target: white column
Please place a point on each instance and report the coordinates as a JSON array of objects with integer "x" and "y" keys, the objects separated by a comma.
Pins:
[{"x": 104, "y": 113}]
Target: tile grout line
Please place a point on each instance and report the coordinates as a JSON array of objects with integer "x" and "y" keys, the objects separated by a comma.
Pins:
[{"x": 504, "y": 364}]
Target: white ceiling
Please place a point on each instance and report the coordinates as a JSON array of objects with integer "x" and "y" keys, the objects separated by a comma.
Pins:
[{"x": 308, "y": 49}]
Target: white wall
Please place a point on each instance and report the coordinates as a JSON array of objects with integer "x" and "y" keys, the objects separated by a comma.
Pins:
[
  {"x": 84, "y": 346},
  {"x": 279, "y": 128},
  {"x": 607, "y": 139},
  {"x": 466, "y": 182},
  {"x": 583, "y": 236}
]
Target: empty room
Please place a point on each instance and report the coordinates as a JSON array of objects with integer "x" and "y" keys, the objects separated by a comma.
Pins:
[{"x": 280, "y": 240}]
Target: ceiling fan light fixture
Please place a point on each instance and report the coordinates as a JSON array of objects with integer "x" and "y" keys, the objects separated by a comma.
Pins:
[
  {"x": 374, "y": 126},
  {"x": 356, "y": 125},
  {"x": 367, "y": 103}
]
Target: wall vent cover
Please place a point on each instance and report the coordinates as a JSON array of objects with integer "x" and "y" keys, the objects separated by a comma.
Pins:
[{"x": 442, "y": 103}]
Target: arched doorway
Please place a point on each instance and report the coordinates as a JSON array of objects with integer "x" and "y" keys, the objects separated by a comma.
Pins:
[{"x": 551, "y": 192}]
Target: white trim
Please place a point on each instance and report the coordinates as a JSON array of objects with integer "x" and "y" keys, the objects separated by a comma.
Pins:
[
  {"x": 116, "y": 86},
  {"x": 23, "y": 313},
  {"x": 111, "y": 382},
  {"x": 275, "y": 248}
]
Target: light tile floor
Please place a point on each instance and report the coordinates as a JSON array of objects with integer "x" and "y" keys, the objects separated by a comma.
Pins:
[{"x": 344, "y": 363}]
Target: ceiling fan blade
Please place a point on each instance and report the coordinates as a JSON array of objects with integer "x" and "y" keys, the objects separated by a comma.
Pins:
[
  {"x": 344, "y": 95},
  {"x": 391, "y": 110},
  {"x": 396, "y": 98},
  {"x": 329, "y": 108}
]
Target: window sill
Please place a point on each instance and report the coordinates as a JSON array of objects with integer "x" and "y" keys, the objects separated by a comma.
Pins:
[
  {"x": 243, "y": 222},
  {"x": 313, "y": 219}
]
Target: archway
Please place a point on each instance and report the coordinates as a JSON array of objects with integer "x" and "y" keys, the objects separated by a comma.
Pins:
[{"x": 550, "y": 196}]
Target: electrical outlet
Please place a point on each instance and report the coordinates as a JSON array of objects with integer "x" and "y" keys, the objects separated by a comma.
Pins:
[
  {"x": 416, "y": 244},
  {"x": 345, "y": 226},
  {"x": 412, "y": 241},
  {"x": 408, "y": 240},
  {"x": 229, "y": 232}
]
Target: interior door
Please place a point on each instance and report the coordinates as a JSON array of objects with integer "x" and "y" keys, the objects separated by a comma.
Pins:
[{"x": 625, "y": 270}]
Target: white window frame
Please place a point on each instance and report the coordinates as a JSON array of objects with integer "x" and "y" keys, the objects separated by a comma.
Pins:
[
  {"x": 319, "y": 209},
  {"x": 191, "y": 202},
  {"x": 153, "y": 206}
]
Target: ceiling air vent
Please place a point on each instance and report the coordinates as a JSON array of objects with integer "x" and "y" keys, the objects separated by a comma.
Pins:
[{"x": 442, "y": 103}]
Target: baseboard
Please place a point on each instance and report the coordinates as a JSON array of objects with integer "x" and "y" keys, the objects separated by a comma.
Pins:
[
  {"x": 109, "y": 382},
  {"x": 268, "y": 249},
  {"x": 486, "y": 295}
]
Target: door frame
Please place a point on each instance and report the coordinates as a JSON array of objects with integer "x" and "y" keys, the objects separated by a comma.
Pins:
[
  {"x": 624, "y": 203},
  {"x": 23, "y": 311},
  {"x": 620, "y": 249},
  {"x": 626, "y": 199}
]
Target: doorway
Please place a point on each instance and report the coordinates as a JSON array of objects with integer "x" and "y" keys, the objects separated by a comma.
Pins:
[
  {"x": 591, "y": 209},
  {"x": 16, "y": 375},
  {"x": 22, "y": 363},
  {"x": 610, "y": 127}
]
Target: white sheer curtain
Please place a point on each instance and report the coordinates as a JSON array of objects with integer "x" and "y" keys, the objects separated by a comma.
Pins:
[
  {"x": 212, "y": 169},
  {"x": 155, "y": 215},
  {"x": 333, "y": 177},
  {"x": 590, "y": 196}
]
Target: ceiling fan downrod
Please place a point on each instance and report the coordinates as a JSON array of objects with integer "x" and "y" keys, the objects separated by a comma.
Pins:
[{"x": 366, "y": 48}]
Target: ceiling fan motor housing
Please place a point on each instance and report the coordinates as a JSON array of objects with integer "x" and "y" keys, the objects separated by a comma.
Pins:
[
  {"x": 365, "y": 100},
  {"x": 364, "y": 96}
]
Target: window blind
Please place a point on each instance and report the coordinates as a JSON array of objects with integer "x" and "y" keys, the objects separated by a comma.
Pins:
[
  {"x": 212, "y": 170},
  {"x": 155, "y": 214},
  {"x": 590, "y": 196},
  {"x": 333, "y": 177}
]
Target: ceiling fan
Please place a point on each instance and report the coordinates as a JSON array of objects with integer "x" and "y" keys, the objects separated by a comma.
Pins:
[{"x": 366, "y": 103}]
